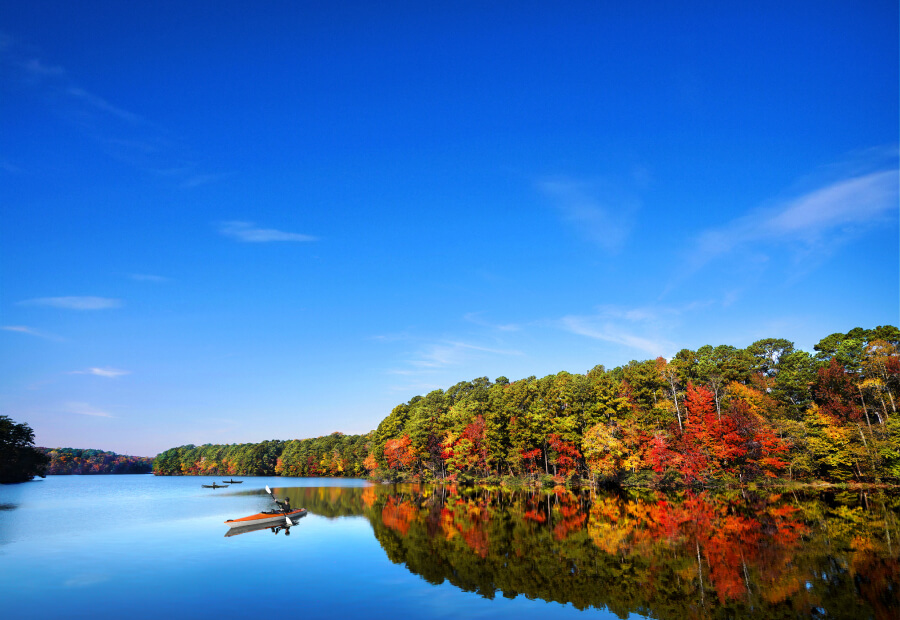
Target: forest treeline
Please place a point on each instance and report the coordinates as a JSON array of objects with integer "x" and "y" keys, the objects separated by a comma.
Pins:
[
  {"x": 333, "y": 455},
  {"x": 717, "y": 415},
  {"x": 76, "y": 461}
]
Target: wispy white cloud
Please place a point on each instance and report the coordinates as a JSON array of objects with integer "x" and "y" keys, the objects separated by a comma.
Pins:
[
  {"x": 604, "y": 329},
  {"x": 101, "y": 104},
  {"x": 196, "y": 180},
  {"x": 430, "y": 365},
  {"x": 38, "y": 69},
  {"x": 123, "y": 133},
  {"x": 442, "y": 354},
  {"x": 475, "y": 317},
  {"x": 598, "y": 211},
  {"x": 109, "y": 373},
  {"x": 641, "y": 329},
  {"x": 249, "y": 233},
  {"x": 74, "y": 303},
  {"x": 85, "y": 409},
  {"x": 808, "y": 220},
  {"x": 9, "y": 168},
  {"x": 395, "y": 337},
  {"x": 22, "y": 329},
  {"x": 146, "y": 277}
]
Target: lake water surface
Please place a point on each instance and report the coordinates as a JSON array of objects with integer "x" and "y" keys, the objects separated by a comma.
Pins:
[{"x": 155, "y": 547}]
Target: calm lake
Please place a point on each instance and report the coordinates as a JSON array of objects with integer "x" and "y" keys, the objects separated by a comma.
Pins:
[{"x": 155, "y": 547}]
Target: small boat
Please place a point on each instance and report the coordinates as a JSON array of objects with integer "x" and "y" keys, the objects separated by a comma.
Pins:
[
  {"x": 256, "y": 527},
  {"x": 214, "y": 486},
  {"x": 232, "y": 481},
  {"x": 267, "y": 518}
]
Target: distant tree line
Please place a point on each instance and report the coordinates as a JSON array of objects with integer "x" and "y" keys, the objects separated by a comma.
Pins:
[
  {"x": 333, "y": 455},
  {"x": 76, "y": 461},
  {"x": 717, "y": 415}
]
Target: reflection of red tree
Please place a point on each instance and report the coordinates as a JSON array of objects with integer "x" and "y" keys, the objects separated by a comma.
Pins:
[
  {"x": 398, "y": 515},
  {"x": 721, "y": 547},
  {"x": 469, "y": 520},
  {"x": 572, "y": 515},
  {"x": 475, "y": 535},
  {"x": 534, "y": 515}
]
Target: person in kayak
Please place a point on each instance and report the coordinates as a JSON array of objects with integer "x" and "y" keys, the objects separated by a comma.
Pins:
[{"x": 285, "y": 504}]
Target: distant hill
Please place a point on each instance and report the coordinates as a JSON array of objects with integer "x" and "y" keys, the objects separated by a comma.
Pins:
[{"x": 77, "y": 461}]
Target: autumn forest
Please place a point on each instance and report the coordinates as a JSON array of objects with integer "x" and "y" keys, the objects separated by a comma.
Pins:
[{"x": 717, "y": 416}]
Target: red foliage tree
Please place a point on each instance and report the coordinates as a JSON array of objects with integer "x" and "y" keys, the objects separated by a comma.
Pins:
[
  {"x": 835, "y": 392},
  {"x": 567, "y": 455}
]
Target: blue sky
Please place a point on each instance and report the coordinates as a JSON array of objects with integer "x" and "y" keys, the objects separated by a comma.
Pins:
[{"x": 228, "y": 224}]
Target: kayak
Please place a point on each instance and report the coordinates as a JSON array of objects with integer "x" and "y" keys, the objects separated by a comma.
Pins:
[
  {"x": 232, "y": 481},
  {"x": 214, "y": 486},
  {"x": 267, "y": 516},
  {"x": 272, "y": 527}
]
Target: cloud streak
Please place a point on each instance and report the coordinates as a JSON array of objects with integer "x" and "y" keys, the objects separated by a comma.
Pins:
[
  {"x": 635, "y": 328},
  {"x": 74, "y": 303},
  {"x": 475, "y": 317},
  {"x": 124, "y": 134},
  {"x": 101, "y": 104},
  {"x": 108, "y": 373},
  {"x": 247, "y": 232},
  {"x": 442, "y": 354},
  {"x": 22, "y": 329},
  {"x": 598, "y": 212},
  {"x": 145, "y": 277},
  {"x": 851, "y": 202},
  {"x": 86, "y": 409}
]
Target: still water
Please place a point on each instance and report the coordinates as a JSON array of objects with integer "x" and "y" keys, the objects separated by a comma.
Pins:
[{"x": 155, "y": 547}]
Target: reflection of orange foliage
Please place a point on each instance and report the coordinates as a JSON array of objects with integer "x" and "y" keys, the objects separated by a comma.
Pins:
[
  {"x": 369, "y": 496},
  {"x": 447, "y": 524},
  {"x": 534, "y": 515},
  {"x": 476, "y": 536},
  {"x": 398, "y": 515},
  {"x": 732, "y": 546},
  {"x": 469, "y": 520},
  {"x": 571, "y": 513}
]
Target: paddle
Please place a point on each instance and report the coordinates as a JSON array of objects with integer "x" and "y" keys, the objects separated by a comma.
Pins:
[{"x": 269, "y": 491}]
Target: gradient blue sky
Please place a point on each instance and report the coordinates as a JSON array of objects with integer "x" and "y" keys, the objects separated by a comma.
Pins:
[{"x": 224, "y": 223}]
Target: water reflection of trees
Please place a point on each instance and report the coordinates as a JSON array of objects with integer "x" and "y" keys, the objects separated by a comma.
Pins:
[{"x": 686, "y": 555}]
